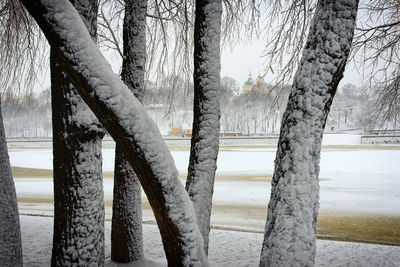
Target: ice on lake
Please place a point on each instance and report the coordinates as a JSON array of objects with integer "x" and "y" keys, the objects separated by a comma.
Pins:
[{"x": 354, "y": 178}]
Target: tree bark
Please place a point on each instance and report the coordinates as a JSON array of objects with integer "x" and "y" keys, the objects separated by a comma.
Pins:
[
  {"x": 126, "y": 231},
  {"x": 130, "y": 126},
  {"x": 290, "y": 232},
  {"x": 10, "y": 233},
  {"x": 78, "y": 236},
  {"x": 206, "y": 111}
]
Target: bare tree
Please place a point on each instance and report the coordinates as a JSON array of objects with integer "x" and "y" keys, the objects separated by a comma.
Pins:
[
  {"x": 290, "y": 231},
  {"x": 206, "y": 111},
  {"x": 129, "y": 125},
  {"x": 170, "y": 27},
  {"x": 16, "y": 44},
  {"x": 126, "y": 231},
  {"x": 22, "y": 49},
  {"x": 376, "y": 49},
  {"x": 287, "y": 28},
  {"x": 78, "y": 235},
  {"x": 374, "y": 52},
  {"x": 10, "y": 233}
]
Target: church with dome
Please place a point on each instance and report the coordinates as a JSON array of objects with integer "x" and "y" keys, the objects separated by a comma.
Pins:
[{"x": 250, "y": 85}]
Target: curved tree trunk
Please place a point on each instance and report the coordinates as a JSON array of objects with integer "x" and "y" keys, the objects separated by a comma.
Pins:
[
  {"x": 290, "y": 232},
  {"x": 130, "y": 126},
  {"x": 77, "y": 162},
  {"x": 206, "y": 111},
  {"x": 126, "y": 231},
  {"x": 10, "y": 233}
]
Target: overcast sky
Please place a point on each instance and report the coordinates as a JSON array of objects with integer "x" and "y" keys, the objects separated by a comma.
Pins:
[
  {"x": 236, "y": 62},
  {"x": 245, "y": 58}
]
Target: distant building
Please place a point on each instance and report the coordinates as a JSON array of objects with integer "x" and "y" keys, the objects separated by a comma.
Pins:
[{"x": 250, "y": 85}]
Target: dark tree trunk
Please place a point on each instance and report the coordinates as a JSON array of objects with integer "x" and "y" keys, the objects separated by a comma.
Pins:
[
  {"x": 77, "y": 162},
  {"x": 130, "y": 126},
  {"x": 126, "y": 231},
  {"x": 290, "y": 231},
  {"x": 10, "y": 233},
  {"x": 206, "y": 111}
]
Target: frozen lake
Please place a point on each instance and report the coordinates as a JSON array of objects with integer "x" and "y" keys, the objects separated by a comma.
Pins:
[{"x": 353, "y": 177}]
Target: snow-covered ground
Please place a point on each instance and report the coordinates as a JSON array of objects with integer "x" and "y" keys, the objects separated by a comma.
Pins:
[
  {"x": 354, "y": 178},
  {"x": 227, "y": 248}
]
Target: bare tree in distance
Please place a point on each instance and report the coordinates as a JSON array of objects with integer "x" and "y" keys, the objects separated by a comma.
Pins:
[
  {"x": 170, "y": 26},
  {"x": 377, "y": 50},
  {"x": 374, "y": 52}
]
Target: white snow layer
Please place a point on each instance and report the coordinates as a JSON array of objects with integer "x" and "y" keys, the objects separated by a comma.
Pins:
[
  {"x": 227, "y": 248},
  {"x": 108, "y": 89}
]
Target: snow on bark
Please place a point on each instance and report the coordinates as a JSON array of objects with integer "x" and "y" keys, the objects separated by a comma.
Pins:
[
  {"x": 128, "y": 123},
  {"x": 290, "y": 232},
  {"x": 10, "y": 233},
  {"x": 78, "y": 204},
  {"x": 77, "y": 163},
  {"x": 206, "y": 112},
  {"x": 126, "y": 231}
]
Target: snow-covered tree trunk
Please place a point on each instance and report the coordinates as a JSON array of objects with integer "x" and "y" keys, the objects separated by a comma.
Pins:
[
  {"x": 77, "y": 162},
  {"x": 130, "y": 126},
  {"x": 290, "y": 231},
  {"x": 10, "y": 233},
  {"x": 126, "y": 231},
  {"x": 206, "y": 111}
]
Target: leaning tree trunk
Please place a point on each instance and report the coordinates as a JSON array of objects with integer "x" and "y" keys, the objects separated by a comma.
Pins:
[
  {"x": 10, "y": 233},
  {"x": 206, "y": 111},
  {"x": 290, "y": 232},
  {"x": 126, "y": 231},
  {"x": 130, "y": 126},
  {"x": 77, "y": 162}
]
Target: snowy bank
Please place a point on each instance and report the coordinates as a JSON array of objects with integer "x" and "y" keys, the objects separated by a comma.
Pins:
[{"x": 227, "y": 248}]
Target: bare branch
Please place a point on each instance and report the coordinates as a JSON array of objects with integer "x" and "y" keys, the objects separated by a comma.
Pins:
[
  {"x": 22, "y": 49},
  {"x": 107, "y": 25}
]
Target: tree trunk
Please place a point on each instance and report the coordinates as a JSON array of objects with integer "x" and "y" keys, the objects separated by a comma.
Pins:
[
  {"x": 290, "y": 231},
  {"x": 10, "y": 233},
  {"x": 126, "y": 231},
  {"x": 130, "y": 126},
  {"x": 77, "y": 162},
  {"x": 206, "y": 111}
]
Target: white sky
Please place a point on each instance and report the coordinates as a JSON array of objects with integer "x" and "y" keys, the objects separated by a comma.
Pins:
[
  {"x": 245, "y": 58},
  {"x": 236, "y": 62}
]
